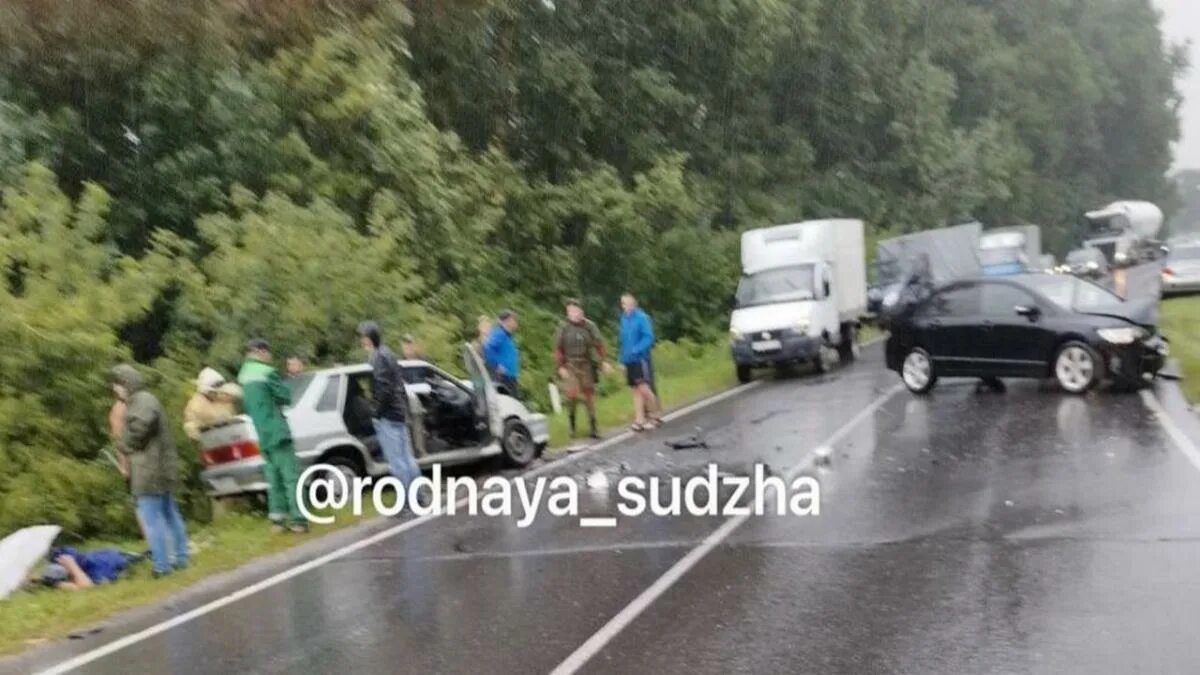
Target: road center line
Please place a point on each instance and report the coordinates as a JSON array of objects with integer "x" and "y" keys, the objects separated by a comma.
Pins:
[
  {"x": 630, "y": 612},
  {"x": 1181, "y": 439},
  {"x": 134, "y": 638}
]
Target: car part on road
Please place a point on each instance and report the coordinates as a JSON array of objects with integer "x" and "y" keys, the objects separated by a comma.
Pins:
[
  {"x": 918, "y": 372},
  {"x": 686, "y": 443},
  {"x": 1077, "y": 367}
]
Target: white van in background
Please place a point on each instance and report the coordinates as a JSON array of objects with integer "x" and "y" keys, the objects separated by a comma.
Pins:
[{"x": 802, "y": 292}]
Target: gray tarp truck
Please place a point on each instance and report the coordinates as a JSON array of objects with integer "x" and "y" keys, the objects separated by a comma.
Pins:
[{"x": 907, "y": 264}]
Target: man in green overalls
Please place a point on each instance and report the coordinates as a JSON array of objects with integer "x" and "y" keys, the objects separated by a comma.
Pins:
[
  {"x": 263, "y": 396},
  {"x": 578, "y": 349}
]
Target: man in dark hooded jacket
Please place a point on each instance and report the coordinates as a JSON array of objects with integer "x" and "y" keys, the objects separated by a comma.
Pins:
[
  {"x": 389, "y": 405},
  {"x": 153, "y": 470}
]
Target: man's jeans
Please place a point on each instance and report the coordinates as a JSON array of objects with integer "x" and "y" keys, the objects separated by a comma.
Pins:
[
  {"x": 393, "y": 440},
  {"x": 162, "y": 521}
]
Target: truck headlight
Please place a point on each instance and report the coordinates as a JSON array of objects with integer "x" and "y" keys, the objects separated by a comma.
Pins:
[
  {"x": 1120, "y": 257},
  {"x": 1121, "y": 336},
  {"x": 734, "y": 335}
]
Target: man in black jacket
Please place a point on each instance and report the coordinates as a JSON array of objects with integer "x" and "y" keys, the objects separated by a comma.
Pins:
[{"x": 390, "y": 405}]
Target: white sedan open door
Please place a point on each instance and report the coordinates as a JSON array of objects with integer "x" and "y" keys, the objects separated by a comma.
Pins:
[{"x": 487, "y": 407}]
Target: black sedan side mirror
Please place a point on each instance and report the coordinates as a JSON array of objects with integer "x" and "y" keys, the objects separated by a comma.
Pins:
[{"x": 1030, "y": 312}]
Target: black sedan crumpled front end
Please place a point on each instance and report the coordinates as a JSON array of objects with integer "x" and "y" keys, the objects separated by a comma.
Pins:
[{"x": 1132, "y": 355}]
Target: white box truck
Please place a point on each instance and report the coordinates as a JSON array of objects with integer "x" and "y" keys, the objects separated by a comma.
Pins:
[{"x": 802, "y": 293}]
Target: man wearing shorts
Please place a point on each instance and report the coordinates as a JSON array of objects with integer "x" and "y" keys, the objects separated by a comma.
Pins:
[
  {"x": 578, "y": 349},
  {"x": 636, "y": 341}
]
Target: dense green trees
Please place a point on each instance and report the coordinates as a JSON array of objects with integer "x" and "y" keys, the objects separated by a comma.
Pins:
[{"x": 179, "y": 176}]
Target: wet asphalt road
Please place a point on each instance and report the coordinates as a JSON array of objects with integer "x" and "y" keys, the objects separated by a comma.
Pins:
[{"x": 965, "y": 532}]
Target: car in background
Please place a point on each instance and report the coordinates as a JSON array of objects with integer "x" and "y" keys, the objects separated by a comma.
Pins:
[
  {"x": 449, "y": 422},
  {"x": 1030, "y": 325},
  {"x": 1181, "y": 270},
  {"x": 1086, "y": 262}
]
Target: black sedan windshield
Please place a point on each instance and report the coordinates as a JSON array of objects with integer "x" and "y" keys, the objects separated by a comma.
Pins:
[
  {"x": 1073, "y": 293},
  {"x": 782, "y": 284}
]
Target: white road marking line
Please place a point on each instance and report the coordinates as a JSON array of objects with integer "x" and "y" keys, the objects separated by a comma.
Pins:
[
  {"x": 630, "y": 612},
  {"x": 1181, "y": 439},
  {"x": 133, "y": 638},
  {"x": 607, "y": 521},
  {"x": 117, "y": 645}
]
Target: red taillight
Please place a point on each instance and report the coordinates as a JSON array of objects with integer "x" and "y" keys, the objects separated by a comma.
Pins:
[
  {"x": 230, "y": 453},
  {"x": 1168, "y": 272}
]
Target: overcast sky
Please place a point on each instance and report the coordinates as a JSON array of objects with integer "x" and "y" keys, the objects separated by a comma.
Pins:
[{"x": 1181, "y": 21}]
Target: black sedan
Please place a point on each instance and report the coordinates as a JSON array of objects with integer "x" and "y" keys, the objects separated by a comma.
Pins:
[{"x": 1028, "y": 325}]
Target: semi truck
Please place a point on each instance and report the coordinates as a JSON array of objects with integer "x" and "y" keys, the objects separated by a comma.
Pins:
[
  {"x": 801, "y": 296},
  {"x": 1125, "y": 232}
]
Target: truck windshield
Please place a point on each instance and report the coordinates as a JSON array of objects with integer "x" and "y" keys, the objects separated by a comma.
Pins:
[{"x": 782, "y": 284}]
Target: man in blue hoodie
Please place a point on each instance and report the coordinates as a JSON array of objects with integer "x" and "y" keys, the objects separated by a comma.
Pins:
[
  {"x": 500, "y": 352},
  {"x": 636, "y": 340}
]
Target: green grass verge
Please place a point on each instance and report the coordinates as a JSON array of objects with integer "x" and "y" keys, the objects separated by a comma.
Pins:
[
  {"x": 30, "y": 617},
  {"x": 1181, "y": 323}
]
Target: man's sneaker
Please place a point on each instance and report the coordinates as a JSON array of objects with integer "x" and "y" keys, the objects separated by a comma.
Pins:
[
  {"x": 158, "y": 574},
  {"x": 180, "y": 566},
  {"x": 278, "y": 528}
]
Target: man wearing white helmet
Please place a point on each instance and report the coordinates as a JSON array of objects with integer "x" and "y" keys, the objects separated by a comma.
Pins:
[{"x": 215, "y": 400}]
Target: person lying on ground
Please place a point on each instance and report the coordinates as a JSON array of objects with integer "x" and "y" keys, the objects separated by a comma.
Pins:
[{"x": 71, "y": 569}]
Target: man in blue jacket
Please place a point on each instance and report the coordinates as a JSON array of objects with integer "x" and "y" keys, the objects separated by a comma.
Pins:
[
  {"x": 500, "y": 352},
  {"x": 636, "y": 340}
]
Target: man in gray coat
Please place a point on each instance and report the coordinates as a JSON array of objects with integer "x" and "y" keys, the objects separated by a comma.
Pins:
[{"x": 153, "y": 469}]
